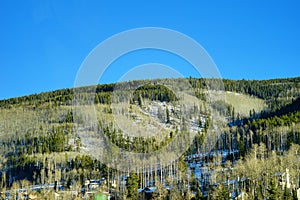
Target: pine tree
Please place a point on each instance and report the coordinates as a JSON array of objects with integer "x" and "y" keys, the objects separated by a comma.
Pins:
[
  {"x": 233, "y": 115},
  {"x": 168, "y": 116},
  {"x": 199, "y": 194},
  {"x": 140, "y": 101},
  {"x": 273, "y": 191},
  {"x": 160, "y": 192},
  {"x": 221, "y": 193},
  {"x": 287, "y": 194},
  {"x": 132, "y": 186}
]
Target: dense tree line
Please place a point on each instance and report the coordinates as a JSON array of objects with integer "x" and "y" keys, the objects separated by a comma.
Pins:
[
  {"x": 154, "y": 93},
  {"x": 276, "y": 91}
]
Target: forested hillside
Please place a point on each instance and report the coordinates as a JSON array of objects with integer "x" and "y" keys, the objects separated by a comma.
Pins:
[{"x": 254, "y": 155}]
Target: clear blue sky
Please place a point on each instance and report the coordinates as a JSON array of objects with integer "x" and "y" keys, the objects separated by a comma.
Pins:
[{"x": 43, "y": 43}]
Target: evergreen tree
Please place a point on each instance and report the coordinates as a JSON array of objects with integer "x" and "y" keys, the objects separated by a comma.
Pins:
[
  {"x": 199, "y": 194},
  {"x": 287, "y": 194},
  {"x": 132, "y": 186},
  {"x": 168, "y": 116},
  {"x": 274, "y": 193},
  {"x": 221, "y": 193},
  {"x": 160, "y": 192},
  {"x": 140, "y": 101}
]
